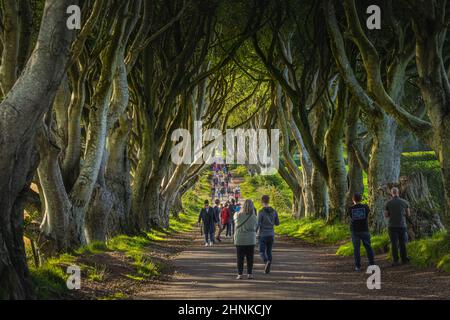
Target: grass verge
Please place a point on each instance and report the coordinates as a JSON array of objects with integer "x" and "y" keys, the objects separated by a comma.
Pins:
[
  {"x": 428, "y": 252},
  {"x": 49, "y": 279},
  {"x": 380, "y": 244},
  {"x": 312, "y": 231},
  {"x": 434, "y": 251}
]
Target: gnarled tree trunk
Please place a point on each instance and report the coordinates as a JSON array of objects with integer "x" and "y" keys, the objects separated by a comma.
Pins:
[
  {"x": 425, "y": 217},
  {"x": 20, "y": 115}
]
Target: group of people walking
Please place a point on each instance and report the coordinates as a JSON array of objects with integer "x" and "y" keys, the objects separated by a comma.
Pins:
[
  {"x": 396, "y": 211},
  {"x": 249, "y": 228},
  {"x": 221, "y": 184},
  {"x": 245, "y": 226}
]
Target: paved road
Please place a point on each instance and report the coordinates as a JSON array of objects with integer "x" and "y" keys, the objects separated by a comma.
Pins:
[{"x": 299, "y": 272}]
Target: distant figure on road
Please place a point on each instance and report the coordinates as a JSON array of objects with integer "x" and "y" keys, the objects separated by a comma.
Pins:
[
  {"x": 229, "y": 191},
  {"x": 218, "y": 192},
  {"x": 237, "y": 193},
  {"x": 396, "y": 211},
  {"x": 359, "y": 214},
  {"x": 232, "y": 212},
  {"x": 222, "y": 193},
  {"x": 225, "y": 217},
  {"x": 213, "y": 192},
  {"x": 245, "y": 238},
  {"x": 207, "y": 216},
  {"x": 217, "y": 210},
  {"x": 267, "y": 219}
]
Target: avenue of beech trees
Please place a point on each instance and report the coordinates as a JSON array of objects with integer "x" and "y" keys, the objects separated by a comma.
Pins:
[{"x": 87, "y": 114}]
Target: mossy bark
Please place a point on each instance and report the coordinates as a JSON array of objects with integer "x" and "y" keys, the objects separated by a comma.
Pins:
[{"x": 337, "y": 181}]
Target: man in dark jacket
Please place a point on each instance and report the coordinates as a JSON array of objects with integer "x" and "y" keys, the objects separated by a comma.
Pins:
[
  {"x": 267, "y": 219},
  {"x": 396, "y": 211},
  {"x": 209, "y": 220}
]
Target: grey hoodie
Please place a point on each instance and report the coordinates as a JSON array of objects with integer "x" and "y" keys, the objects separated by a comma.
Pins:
[{"x": 267, "y": 219}]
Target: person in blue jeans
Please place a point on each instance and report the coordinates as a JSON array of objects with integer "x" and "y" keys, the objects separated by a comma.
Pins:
[
  {"x": 359, "y": 214},
  {"x": 267, "y": 219}
]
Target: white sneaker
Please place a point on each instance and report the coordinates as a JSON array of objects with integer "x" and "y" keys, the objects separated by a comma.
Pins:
[
  {"x": 211, "y": 244},
  {"x": 239, "y": 277},
  {"x": 206, "y": 244}
]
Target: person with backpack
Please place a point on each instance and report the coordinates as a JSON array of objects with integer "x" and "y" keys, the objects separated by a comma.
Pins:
[
  {"x": 396, "y": 211},
  {"x": 359, "y": 228},
  {"x": 267, "y": 219},
  {"x": 225, "y": 217},
  {"x": 209, "y": 222},
  {"x": 245, "y": 238}
]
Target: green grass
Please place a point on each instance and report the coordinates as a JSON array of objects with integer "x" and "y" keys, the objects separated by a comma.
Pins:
[
  {"x": 49, "y": 281},
  {"x": 240, "y": 171},
  {"x": 135, "y": 277},
  {"x": 434, "y": 251},
  {"x": 97, "y": 273},
  {"x": 380, "y": 244},
  {"x": 273, "y": 185},
  {"x": 92, "y": 248},
  {"x": 312, "y": 230},
  {"x": 420, "y": 156},
  {"x": 185, "y": 222},
  {"x": 115, "y": 296},
  {"x": 145, "y": 266}
]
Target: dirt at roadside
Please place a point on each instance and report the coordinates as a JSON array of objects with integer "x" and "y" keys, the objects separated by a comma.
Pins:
[{"x": 116, "y": 269}]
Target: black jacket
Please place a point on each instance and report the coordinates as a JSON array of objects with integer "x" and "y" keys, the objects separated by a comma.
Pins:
[
  {"x": 359, "y": 214},
  {"x": 208, "y": 217}
]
